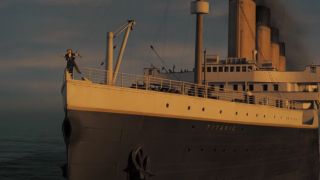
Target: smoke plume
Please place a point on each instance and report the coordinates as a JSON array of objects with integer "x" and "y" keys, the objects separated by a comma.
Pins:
[{"x": 291, "y": 32}]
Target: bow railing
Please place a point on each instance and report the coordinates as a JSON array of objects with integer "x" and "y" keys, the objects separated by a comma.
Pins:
[{"x": 151, "y": 83}]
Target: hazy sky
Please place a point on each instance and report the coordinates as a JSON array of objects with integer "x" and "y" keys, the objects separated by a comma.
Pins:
[{"x": 34, "y": 35}]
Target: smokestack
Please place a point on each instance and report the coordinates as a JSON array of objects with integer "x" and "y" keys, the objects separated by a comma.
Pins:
[
  {"x": 282, "y": 59},
  {"x": 282, "y": 48},
  {"x": 263, "y": 35},
  {"x": 242, "y": 29},
  {"x": 275, "y": 48},
  {"x": 263, "y": 16}
]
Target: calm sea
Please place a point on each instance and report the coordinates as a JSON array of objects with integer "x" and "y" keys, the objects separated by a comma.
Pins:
[{"x": 31, "y": 148}]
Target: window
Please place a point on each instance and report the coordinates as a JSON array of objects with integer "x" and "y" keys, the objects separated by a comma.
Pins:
[
  {"x": 214, "y": 69},
  {"x": 251, "y": 87},
  {"x": 238, "y": 69},
  {"x": 265, "y": 87},
  {"x": 276, "y": 87},
  {"x": 226, "y": 69},
  {"x": 235, "y": 87},
  {"x": 244, "y": 68},
  {"x": 250, "y": 68},
  {"x": 220, "y": 69},
  {"x": 279, "y": 103},
  {"x": 313, "y": 69},
  {"x": 243, "y": 87},
  {"x": 231, "y": 69},
  {"x": 208, "y": 69},
  {"x": 221, "y": 87}
]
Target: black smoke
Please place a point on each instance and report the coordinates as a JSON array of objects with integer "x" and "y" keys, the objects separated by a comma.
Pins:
[{"x": 291, "y": 32}]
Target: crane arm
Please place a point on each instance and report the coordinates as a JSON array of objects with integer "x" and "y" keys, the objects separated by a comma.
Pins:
[
  {"x": 123, "y": 46},
  {"x": 112, "y": 74}
]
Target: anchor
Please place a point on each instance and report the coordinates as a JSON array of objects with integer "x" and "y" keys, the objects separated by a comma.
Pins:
[{"x": 137, "y": 165}]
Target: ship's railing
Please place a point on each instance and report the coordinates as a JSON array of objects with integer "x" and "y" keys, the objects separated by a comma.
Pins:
[{"x": 152, "y": 83}]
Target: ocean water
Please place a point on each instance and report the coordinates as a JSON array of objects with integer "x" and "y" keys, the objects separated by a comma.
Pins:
[{"x": 31, "y": 148}]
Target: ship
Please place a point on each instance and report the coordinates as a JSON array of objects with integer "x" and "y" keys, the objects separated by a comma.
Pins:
[{"x": 240, "y": 118}]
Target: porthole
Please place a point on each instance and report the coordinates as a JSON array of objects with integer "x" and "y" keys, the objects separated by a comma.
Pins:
[
  {"x": 203, "y": 109},
  {"x": 167, "y": 105},
  {"x": 234, "y": 150}
]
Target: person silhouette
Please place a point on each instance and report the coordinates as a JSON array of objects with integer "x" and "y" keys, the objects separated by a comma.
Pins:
[{"x": 70, "y": 57}]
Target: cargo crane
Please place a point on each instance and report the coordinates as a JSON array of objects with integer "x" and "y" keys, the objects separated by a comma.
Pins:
[{"x": 111, "y": 74}]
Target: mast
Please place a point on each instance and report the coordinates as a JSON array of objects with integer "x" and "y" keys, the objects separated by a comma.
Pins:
[
  {"x": 109, "y": 67},
  {"x": 199, "y": 7}
]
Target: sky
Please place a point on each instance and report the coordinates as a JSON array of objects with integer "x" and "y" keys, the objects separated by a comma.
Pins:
[{"x": 35, "y": 34}]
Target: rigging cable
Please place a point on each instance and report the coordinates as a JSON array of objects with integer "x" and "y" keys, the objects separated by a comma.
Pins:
[
  {"x": 160, "y": 58},
  {"x": 163, "y": 62}
]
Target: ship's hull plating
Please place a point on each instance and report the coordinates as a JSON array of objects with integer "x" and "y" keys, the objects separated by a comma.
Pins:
[{"x": 109, "y": 146}]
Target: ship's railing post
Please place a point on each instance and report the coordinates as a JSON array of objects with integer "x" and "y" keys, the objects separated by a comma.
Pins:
[
  {"x": 107, "y": 78},
  {"x": 246, "y": 97},
  {"x": 182, "y": 88},
  {"x": 206, "y": 90},
  {"x": 196, "y": 90},
  {"x": 289, "y": 104},
  {"x": 136, "y": 82},
  {"x": 294, "y": 105},
  {"x": 89, "y": 74},
  {"x": 234, "y": 96},
  {"x": 121, "y": 79},
  {"x": 148, "y": 82}
]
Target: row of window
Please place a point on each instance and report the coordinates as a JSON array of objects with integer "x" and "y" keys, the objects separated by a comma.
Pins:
[
  {"x": 265, "y": 87},
  {"x": 229, "y": 69}
]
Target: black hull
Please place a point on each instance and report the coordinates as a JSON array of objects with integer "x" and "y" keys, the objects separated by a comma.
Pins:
[{"x": 107, "y": 146}]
